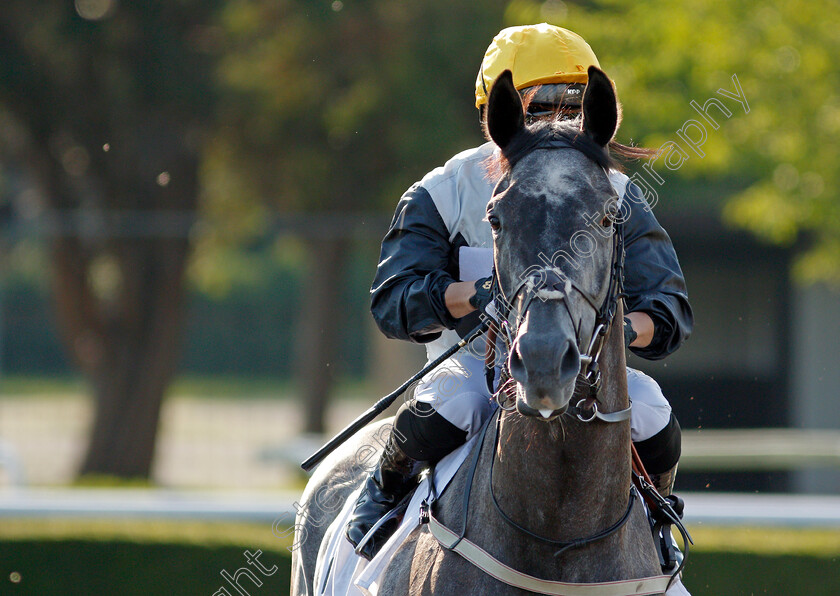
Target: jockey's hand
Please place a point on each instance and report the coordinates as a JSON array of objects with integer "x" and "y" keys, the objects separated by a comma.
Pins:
[
  {"x": 629, "y": 334},
  {"x": 482, "y": 296}
]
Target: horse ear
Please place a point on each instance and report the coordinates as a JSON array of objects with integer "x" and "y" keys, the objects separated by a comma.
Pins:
[
  {"x": 505, "y": 116},
  {"x": 600, "y": 107}
]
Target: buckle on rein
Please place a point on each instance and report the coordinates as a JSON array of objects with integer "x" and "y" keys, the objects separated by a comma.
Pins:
[
  {"x": 431, "y": 497},
  {"x": 424, "y": 512}
]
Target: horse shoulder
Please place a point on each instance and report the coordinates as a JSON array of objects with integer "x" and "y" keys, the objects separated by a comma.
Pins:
[
  {"x": 422, "y": 567},
  {"x": 640, "y": 547}
]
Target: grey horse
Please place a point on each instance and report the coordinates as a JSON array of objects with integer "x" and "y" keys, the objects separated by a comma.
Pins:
[{"x": 542, "y": 477}]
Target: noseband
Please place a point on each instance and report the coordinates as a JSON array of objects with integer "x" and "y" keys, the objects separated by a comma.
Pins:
[{"x": 550, "y": 283}]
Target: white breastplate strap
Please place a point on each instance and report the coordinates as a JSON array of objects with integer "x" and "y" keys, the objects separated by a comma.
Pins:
[{"x": 493, "y": 567}]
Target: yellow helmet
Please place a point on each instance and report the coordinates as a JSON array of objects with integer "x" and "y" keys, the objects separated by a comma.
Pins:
[{"x": 536, "y": 55}]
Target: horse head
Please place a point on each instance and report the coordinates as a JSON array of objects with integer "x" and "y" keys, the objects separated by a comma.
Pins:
[{"x": 552, "y": 215}]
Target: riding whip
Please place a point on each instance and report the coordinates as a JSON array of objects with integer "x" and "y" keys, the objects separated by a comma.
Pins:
[{"x": 382, "y": 405}]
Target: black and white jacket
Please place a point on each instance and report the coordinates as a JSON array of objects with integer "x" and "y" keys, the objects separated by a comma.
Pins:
[{"x": 445, "y": 211}]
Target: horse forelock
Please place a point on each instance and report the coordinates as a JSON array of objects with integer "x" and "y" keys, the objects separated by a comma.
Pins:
[
  {"x": 554, "y": 189},
  {"x": 548, "y": 134}
]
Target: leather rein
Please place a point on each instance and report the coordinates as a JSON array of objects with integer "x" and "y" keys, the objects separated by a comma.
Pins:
[
  {"x": 490, "y": 565},
  {"x": 548, "y": 284}
]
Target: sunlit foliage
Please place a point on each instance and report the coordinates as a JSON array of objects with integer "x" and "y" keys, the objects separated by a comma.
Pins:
[{"x": 783, "y": 153}]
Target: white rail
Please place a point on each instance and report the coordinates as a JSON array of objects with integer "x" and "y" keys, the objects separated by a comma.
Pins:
[{"x": 270, "y": 508}]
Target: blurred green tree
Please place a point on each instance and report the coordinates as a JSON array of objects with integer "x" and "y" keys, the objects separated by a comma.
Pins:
[
  {"x": 136, "y": 113},
  {"x": 112, "y": 99},
  {"x": 775, "y": 159},
  {"x": 333, "y": 109}
]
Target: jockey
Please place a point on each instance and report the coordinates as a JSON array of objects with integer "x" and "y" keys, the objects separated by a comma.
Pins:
[{"x": 429, "y": 286}]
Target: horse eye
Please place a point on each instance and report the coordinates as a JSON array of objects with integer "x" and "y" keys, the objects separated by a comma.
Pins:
[
  {"x": 607, "y": 221},
  {"x": 494, "y": 222}
]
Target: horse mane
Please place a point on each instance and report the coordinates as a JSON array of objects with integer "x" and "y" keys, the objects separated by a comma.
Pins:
[{"x": 545, "y": 133}]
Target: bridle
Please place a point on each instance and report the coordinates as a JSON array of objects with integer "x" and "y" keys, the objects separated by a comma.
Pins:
[
  {"x": 550, "y": 283},
  {"x": 547, "y": 284}
]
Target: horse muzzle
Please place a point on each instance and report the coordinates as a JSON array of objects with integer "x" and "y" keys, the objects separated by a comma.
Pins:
[
  {"x": 545, "y": 369},
  {"x": 547, "y": 414}
]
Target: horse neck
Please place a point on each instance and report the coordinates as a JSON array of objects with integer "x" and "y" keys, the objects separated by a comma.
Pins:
[{"x": 568, "y": 475}]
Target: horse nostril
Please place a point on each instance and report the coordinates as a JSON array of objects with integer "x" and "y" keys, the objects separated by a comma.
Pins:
[
  {"x": 569, "y": 361},
  {"x": 544, "y": 360},
  {"x": 516, "y": 366}
]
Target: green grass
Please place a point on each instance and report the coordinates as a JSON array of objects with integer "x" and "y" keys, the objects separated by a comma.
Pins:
[
  {"x": 128, "y": 558},
  {"x": 226, "y": 386},
  {"x": 203, "y": 386},
  {"x": 41, "y": 386},
  {"x": 92, "y": 568},
  {"x": 135, "y": 557},
  {"x": 771, "y": 561},
  {"x": 746, "y": 540},
  {"x": 737, "y": 574},
  {"x": 811, "y": 542},
  {"x": 143, "y": 531}
]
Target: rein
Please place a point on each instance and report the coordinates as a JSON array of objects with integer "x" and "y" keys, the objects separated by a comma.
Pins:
[
  {"x": 490, "y": 565},
  {"x": 548, "y": 284}
]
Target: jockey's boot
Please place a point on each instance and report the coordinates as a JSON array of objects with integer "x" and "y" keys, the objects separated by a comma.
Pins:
[
  {"x": 394, "y": 477},
  {"x": 664, "y": 485},
  {"x": 664, "y": 482},
  {"x": 670, "y": 555}
]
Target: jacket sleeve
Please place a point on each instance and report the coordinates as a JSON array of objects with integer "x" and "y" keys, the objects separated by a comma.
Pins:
[
  {"x": 653, "y": 281},
  {"x": 415, "y": 268}
]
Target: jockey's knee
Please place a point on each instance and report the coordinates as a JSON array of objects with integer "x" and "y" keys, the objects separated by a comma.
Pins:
[
  {"x": 468, "y": 411},
  {"x": 651, "y": 412},
  {"x": 425, "y": 434},
  {"x": 661, "y": 452},
  {"x": 435, "y": 428},
  {"x": 653, "y": 426}
]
